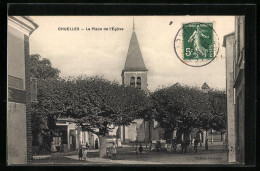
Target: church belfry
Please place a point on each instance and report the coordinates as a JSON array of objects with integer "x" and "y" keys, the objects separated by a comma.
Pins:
[{"x": 134, "y": 72}]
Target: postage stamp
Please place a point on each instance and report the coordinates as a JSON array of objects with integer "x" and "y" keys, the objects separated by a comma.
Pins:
[{"x": 196, "y": 44}]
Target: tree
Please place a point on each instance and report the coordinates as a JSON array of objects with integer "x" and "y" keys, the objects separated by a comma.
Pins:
[
  {"x": 181, "y": 107},
  {"x": 41, "y": 68},
  {"x": 218, "y": 102},
  {"x": 96, "y": 103}
]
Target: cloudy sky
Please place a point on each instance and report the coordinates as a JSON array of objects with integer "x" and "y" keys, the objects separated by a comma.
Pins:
[{"x": 104, "y": 52}]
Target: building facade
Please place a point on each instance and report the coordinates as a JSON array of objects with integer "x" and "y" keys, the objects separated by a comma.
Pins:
[
  {"x": 70, "y": 136},
  {"x": 135, "y": 74},
  {"x": 19, "y": 136},
  {"x": 235, "y": 57}
]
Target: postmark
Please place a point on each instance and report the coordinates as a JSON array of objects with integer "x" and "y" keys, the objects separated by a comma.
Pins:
[{"x": 196, "y": 44}]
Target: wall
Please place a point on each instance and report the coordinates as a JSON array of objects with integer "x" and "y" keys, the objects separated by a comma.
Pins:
[
  {"x": 230, "y": 99},
  {"x": 127, "y": 76},
  {"x": 16, "y": 133},
  {"x": 239, "y": 85},
  {"x": 15, "y": 51},
  {"x": 16, "y": 127}
]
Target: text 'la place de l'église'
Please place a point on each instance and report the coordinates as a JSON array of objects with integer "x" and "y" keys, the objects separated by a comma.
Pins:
[{"x": 90, "y": 29}]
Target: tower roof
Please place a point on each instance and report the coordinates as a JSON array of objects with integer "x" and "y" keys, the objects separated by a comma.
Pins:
[{"x": 134, "y": 60}]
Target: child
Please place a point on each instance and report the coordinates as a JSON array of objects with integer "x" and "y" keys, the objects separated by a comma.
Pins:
[
  {"x": 80, "y": 153},
  {"x": 114, "y": 151}
]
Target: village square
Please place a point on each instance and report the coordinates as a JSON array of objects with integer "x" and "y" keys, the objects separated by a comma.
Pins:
[{"x": 103, "y": 115}]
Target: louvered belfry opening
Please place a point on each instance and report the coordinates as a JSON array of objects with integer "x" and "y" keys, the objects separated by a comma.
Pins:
[
  {"x": 138, "y": 82},
  {"x": 132, "y": 82}
]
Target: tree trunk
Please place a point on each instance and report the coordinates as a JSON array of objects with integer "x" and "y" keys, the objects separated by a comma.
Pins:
[
  {"x": 212, "y": 137},
  {"x": 102, "y": 149},
  {"x": 206, "y": 141}
]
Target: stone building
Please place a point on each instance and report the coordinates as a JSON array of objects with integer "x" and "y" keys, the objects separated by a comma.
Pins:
[
  {"x": 70, "y": 137},
  {"x": 235, "y": 57},
  {"x": 19, "y": 136},
  {"x": 135, "y": 74}
]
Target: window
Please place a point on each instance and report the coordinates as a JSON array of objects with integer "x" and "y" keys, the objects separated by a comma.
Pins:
[
  {"x": 138, "y": 82},
  {"x": 155, "y": 124},
  {"x": 132, "y": 82},
  {"x": 57, "y": 141},
  {"x": 33, "y": 87},
  {"x": 15, "y": 82}
]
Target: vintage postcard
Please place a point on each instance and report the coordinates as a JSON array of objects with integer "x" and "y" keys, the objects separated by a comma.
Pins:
[{"x": 126, "y": 90}]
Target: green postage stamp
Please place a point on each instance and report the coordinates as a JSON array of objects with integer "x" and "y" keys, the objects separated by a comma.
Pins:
[{"x": 198, "y": 41}]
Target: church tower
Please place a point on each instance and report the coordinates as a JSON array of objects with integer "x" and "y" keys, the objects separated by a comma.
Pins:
[{"x": 135, "y": 74}]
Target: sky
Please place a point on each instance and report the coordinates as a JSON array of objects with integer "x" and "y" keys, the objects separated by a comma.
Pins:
[{"x": 103, "y": 52}]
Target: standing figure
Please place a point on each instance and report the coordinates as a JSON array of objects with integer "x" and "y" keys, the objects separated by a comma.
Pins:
[
  {"x": 187, "y": 144},
  {"x": 87, "y": 146},
  {"x": 150, "y": 146},
  {"x": 196, "y": 141},
  {"x": 80, "y": 153},
  {"x": 158, "y": 146},
  {"x": 53, "y": 147},
  {"x": 199, "y": 50},
  {"x": 183, "y": 146},
  {"x": 140, "y": 149},
  {"x": 96, "y": 144},
  {"x": 85, "y": 152},
  {"x": 136, "y": 149},
  {"x": 206, "y": 144},
  {"x": 114, "y": 151}
]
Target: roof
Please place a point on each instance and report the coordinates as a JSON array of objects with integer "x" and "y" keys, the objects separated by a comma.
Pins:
[
  {"x": 225, "y": 37},
  {"x": 205, "y": 86},
  {"x": 25, "y": 22},
  {"x": 134, "y": 60}
]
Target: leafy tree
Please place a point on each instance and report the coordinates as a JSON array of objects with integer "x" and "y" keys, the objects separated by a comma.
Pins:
[
  {"x": 218, "y": 102},
  {"x": 41, "y": 68},
  {"x": 181, "y": 107},
  {"x": 96, "y": 104}
]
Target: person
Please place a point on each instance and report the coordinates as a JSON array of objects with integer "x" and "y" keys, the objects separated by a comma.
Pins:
[
  {"x": 87, "y": 146},
  {"x": 199, "y": 50},
  {"x": 114, "y": 151},
  {"x": 136, "y": 149},
  {"x": 206, "y": 144},
  {"x": 187, "y": 144},
  {"x": 196, "y": 141},
  {"x": 174, "y": 144},
  {"x": 96, "y": 144},
  {"x": 53, "y": 147},
  {"x": 80, "y": 153},
  {"x": 150, "y": 146},
  {"x": 85, "y": 152},
  {"x": 182, "y": 146},
  {"x": 158, "y": 146},
  {"x": 140, "y": 149},
  {"x": 119, "y": 143}
]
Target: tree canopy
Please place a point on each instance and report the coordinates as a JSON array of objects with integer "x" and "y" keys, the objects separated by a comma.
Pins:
[
  {"x": 46, "y": 74},
  {"x": 182, "y": 107}
]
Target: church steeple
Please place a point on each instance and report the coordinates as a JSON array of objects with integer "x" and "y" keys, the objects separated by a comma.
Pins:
[
  {"x": 133, "y": 24},
  {"x": 134, "y": 59}
]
